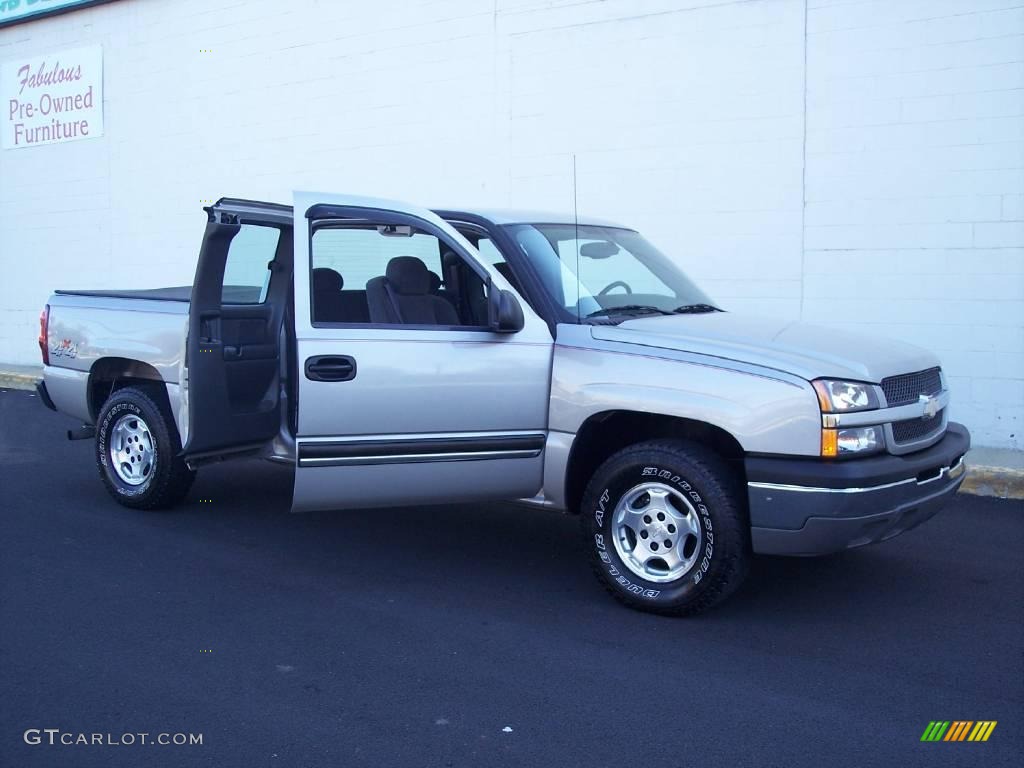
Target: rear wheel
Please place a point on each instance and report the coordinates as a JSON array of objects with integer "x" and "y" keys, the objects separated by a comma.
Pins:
[
  {"x": 665, "y": 528},
  {"x": 137, "y": 452}
]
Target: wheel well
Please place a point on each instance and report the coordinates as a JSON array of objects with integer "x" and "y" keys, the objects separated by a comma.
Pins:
[
  {"x": 604, "y": 434},
  {"x": 109, "y": 374}
]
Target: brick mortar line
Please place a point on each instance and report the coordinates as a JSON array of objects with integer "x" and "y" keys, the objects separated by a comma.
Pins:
[{"x": 981, "y": 480}]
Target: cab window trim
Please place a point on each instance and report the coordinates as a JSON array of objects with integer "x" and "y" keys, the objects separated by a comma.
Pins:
[{"x": 532, "y": 291}]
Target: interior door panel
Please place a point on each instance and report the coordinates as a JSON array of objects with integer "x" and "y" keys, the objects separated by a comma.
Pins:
[
  {"x": 250, "y": 346},
  {"x": 234, "y": 349}
]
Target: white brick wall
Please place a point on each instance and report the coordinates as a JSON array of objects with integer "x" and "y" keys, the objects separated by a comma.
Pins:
[
  {"x": 914, "y": 171},
  {"x": 853, "y": 163}
]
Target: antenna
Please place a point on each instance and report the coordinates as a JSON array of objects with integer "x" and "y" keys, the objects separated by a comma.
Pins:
[{"x": 576, "y": 228}]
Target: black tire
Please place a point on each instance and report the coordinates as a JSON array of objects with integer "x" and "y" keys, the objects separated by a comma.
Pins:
[
  {"x": 721, "y": 553},
  {"x": 168, "y": 479}
]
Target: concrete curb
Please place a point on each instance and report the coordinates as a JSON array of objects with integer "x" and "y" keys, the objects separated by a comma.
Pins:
[
  {"x": 982, "y": 480},
  {"x": 11, "y": 380},
  {"x": 1001, "y": 482}
]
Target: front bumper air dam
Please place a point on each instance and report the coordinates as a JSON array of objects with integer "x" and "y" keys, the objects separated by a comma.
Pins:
[{"x": 814, "y": 507}]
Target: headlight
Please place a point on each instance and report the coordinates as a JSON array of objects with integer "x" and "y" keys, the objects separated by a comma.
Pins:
[
  {"x": 845, "y": 396},
  {"x": 851, "y": 440}
]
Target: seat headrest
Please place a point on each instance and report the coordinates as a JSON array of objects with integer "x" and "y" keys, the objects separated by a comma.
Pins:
[
  {"x": 327, "y": 280},
  {"x": 408, "y": 276},
  {"x": 435, "y": 281}
]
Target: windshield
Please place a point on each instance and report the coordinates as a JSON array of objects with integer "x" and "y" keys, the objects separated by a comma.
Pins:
[{"x": 603, "y": 274}]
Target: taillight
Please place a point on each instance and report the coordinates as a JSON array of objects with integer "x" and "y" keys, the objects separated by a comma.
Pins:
[{"x": 44, "y": 327}]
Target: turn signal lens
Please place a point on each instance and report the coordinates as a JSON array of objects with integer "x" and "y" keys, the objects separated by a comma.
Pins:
[{"x": 830, "y": 442}]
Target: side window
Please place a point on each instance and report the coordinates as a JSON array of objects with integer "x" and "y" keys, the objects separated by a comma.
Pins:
[
  {"x": 490, "y": 251},
  {"x": 497, "y": 259},
  {"x": 493, "y": 256},
  {"x": 388, "y": 275},
  {"x": 246, "y": 274}
]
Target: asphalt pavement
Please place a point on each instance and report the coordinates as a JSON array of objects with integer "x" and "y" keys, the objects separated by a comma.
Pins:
[{"x": 470, "y": 635}]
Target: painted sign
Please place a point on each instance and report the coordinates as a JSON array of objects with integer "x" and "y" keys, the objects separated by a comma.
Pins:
[
  {"x": 51, "y": 99},
  {"x": 12, "y": 11}
]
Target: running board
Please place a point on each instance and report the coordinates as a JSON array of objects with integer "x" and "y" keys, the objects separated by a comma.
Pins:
[
  {"x": 196, "y": 460},
  {"x": 537, "y": 501},
  {"x": 85, "y": 432}
]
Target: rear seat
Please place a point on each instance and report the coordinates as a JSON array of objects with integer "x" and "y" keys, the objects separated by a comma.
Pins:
[
  {"x": 354, "y": 307},
  {"x": 331, "y": 304}
]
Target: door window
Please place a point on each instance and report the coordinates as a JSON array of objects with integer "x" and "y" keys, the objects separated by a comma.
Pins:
[
  {"x": 360, "y": 255},
  {"x": 247, "y": 271},
  {"x": 391, "y": 275}
]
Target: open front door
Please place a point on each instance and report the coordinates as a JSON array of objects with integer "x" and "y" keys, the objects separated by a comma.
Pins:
[
  {"x": 408, "y": 393},
  {"x": 239, "y": 299}
]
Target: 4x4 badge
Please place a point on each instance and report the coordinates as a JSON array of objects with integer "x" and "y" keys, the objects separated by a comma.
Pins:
[{"x": 64, "y": 348}]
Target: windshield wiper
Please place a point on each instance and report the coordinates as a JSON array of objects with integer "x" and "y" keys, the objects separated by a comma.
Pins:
[
  {"x": 628, "y": 309},
  {"x": 695, "y": 309}
]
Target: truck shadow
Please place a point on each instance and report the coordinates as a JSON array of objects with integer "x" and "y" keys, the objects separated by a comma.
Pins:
[
  {"x": 516, "y": 552},
  {"x": 483, "y": 568}
]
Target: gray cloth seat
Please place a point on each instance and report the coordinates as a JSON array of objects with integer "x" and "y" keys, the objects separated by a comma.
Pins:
[
  {"x": 435, "y": 283},
  {"x": 402, "y": 296},
  {"x": 465, "y": 288},
  {"x": 327, "y": 285},
  {"x": 331, "y": 304}
]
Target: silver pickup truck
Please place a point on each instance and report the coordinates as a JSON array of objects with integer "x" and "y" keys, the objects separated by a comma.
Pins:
[{"x": 394, "y": 356}]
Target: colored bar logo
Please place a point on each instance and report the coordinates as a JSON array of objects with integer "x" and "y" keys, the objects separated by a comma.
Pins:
[{"x": 959, "y": 730}]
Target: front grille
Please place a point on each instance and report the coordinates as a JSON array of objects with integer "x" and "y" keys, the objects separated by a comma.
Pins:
[
  {"x": 908, "y": 387},
  {"x": 916, "y": 429}
]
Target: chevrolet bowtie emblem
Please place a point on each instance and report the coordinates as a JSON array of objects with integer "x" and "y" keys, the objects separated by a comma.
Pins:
[{"x": 931, "y": 405}]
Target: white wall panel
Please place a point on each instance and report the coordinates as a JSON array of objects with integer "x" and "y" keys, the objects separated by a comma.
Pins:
[{"x": 853, "y": 163}]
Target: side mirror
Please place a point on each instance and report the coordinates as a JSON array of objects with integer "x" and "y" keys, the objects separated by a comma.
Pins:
[{"x": 506, "y": 315}]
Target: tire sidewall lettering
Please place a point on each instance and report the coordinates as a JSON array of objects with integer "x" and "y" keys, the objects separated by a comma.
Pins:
[
  {"x": 609, "y": 561},
  {"x": 110, "y": 417}
]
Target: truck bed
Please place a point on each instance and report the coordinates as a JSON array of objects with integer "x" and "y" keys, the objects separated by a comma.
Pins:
[
  {"x": 232, "y": 294},
  {"x": 174, "y": 293},
  {"x": 86, "y": 326}
]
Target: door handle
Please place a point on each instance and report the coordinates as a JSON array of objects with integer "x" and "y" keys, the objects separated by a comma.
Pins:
[{"x": 330, "y": 368}]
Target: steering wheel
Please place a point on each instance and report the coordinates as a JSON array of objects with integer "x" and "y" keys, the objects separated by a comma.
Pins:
[{"x": 617, "y": 284}]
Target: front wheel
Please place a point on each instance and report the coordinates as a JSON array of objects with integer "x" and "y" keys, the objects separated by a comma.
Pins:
[
  {"x": 137, "y": 452},
  {"x": 665, "y": 528}
]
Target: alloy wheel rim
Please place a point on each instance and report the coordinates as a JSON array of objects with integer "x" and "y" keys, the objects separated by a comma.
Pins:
[
  {"x": 132, "y": 450},
  {"x": 656, "y": 532}
]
